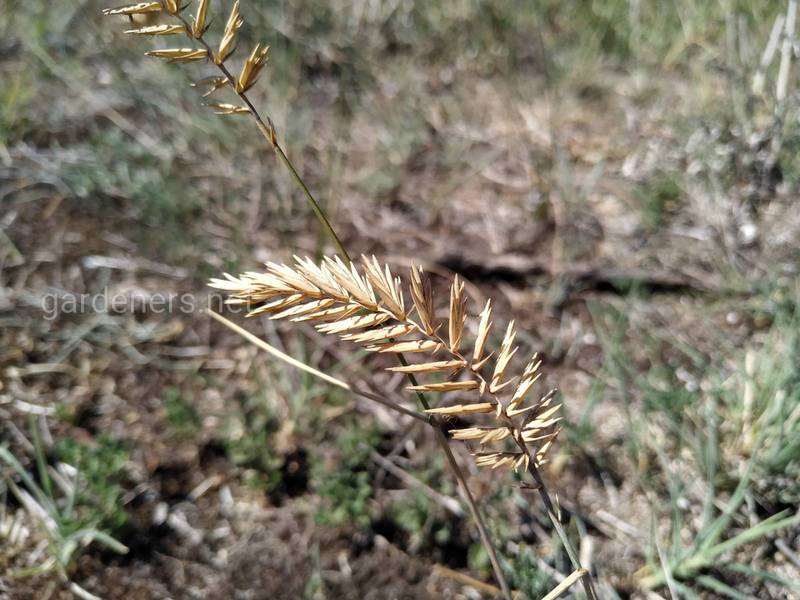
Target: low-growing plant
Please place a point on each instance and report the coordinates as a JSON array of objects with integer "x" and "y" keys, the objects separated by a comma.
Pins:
[
  {"x": 77, "y": 504},
  {"x": 345, "y": 486},
  {"x": 181, "y": 415},
  {"x": 98, "y": 495}
]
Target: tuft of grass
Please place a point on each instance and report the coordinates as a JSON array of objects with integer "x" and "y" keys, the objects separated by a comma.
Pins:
[
  {"x": 657, "y": 197},
  {"x": 692, "y": 418},
  {"x": 77, "y": 504},
  {"x": 99, "y": 465},
  {"x": 248, "y": 438},
  {"x": 526, "y": 575}
]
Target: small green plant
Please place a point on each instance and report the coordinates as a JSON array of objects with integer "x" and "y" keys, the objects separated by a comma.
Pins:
[
  {"x": 253, "y": 451},
  {"x": 421, "y": 519},
  {"x": 657, "y": 197},
  {"x": 98, "y": 497},
  {"x": 345, "y": 489},
  {"x": 249, "y": 440},
  {"x": 75, "y": 507},
  {"x": 526, "y": 575},
  {"x": 181, "y": 415}
]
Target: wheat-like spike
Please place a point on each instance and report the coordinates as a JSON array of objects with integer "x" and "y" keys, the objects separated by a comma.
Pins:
[
  {"x": 366, "y": 307},
  {"x": 179, "y": 54},
  {"x": 199, "y": 20},
  {"x": 252, "y": 68},
  {"x": 157, "y": 30},
  {"x": 195, "y": 29},
  {"x": 457, "y": 314},
  {"x": 139, "y": 8},
  {"x": 422, "y": 296},
  {"x": 228, "y": 42},
  {"x": 333, "y": 292}
]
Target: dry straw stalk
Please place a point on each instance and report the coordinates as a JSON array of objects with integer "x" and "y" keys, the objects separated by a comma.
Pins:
[{"x": 369, "y": 308}]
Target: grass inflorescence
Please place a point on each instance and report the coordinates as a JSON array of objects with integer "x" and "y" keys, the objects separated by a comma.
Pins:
[{"x": 346, "y": 303}]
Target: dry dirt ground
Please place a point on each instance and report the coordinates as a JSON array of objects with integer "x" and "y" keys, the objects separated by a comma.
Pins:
[{"x": 532, "y": 193}]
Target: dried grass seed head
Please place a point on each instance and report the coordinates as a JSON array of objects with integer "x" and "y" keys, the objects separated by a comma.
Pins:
[
  {"x": 366, "y": 307},
  {"x": 228, "y": 42},
  {"x": 252, "y": 68},
  {"x": 199, "y": 20}
]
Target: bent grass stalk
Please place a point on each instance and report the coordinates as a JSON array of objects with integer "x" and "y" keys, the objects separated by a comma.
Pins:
[{"x": 354, "y": 293}]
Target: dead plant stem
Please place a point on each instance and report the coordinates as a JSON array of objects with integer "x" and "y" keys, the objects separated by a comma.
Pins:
[{"x": 268, "y": 131}]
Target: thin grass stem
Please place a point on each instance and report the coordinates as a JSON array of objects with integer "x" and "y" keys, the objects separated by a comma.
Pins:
[{"x": 268, "y": 131}]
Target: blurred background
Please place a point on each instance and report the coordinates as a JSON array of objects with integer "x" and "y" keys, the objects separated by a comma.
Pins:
[{"x": 619, "y": 176}]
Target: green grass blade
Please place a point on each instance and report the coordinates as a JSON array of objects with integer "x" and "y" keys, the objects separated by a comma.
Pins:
[
  {"x": 686, "y": 592},
  {"x": 88, "y": 536},
  {"x": 46, "y": 502},
  {"x": 709, "y": 535},
  {"x": 765, "y": 527},
  {"x": 766, "y": 575},
  {"x": 721, "y": 588}
]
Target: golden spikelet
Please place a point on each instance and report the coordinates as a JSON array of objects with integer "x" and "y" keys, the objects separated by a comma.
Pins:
[
  {"x": 252, "y": 68},
  {"x": 503, "y": 360},
  {"x": 457, "y": 314},
  {"x": 179, "y": 54},
  {"x": 139, "y": 8},
  {"x": 157, "y": 30},
  {"x": 431, "y": 367},
  {"x": 195, "y": 30},
  {"x": 366, "y": 307},
  {"x": 483, "y": 333},
  {"x": 228, "y": 42},
  {"x": 199, "y": 20},
  {"x": 423, "y": 299}
]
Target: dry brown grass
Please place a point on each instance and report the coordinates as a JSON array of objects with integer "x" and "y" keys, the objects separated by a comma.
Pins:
[{"x": 369, "y": 308}]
